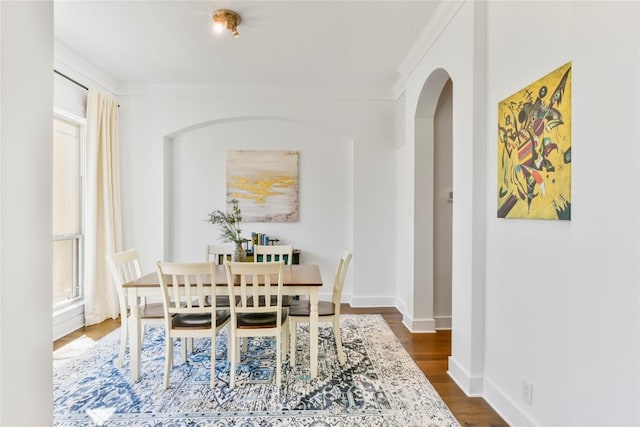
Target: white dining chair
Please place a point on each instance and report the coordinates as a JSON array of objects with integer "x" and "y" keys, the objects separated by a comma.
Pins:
[
  {"x": 249, "y": 319},
  {"x": 270, "y": 253},
  {"x": 274, "y": 253},
  {"x": 328, "y": 311},
  {"x": 125, "y": 267},
  {"x": 218, "y": 254},
  {"x": 186, "y": 315}
]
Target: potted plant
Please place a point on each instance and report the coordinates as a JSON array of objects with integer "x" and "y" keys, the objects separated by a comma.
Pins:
[{"x": 230, "y": 228}]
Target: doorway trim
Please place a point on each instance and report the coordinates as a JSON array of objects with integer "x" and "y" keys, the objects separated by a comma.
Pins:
[{"x": 423, "y": 299}]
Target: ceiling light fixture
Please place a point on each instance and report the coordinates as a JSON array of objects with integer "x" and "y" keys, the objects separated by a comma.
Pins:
[{"x": 224, "y": 18}]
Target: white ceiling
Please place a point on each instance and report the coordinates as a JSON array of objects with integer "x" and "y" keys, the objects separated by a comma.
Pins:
[{"x": 347, "y": 46}]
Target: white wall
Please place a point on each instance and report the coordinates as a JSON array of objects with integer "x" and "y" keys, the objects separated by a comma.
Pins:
[
  {"x": 562, "y": 306},
  {"x": 560, "y": 299},
  {"x": 345, "y": 187},
  {"x": 69, "y": 97},
  {"x": 26, "y": 134}
]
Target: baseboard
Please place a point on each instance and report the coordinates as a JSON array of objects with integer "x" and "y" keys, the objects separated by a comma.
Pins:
[
  {"x": 505, "y": 406},
  {"x": 472, "y": 386},
  {"x": 359, "y": 301},
  {"x": 418, "y": 326},
  {"x": 371, "y": 301},
  {"x": 442, "y": 322},
  {"x": 68, "y": 320}
]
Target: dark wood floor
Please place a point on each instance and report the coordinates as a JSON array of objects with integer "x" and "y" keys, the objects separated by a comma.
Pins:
[{"x": 429, "y": 351}]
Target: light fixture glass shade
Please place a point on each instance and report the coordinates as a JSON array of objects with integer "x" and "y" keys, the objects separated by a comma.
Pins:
[
  {"x": 224, "y": 18},
  {"x": 218, "y": 27}
]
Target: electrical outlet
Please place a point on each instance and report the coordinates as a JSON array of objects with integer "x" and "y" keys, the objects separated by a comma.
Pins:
[{"x": 527, "y": 392}]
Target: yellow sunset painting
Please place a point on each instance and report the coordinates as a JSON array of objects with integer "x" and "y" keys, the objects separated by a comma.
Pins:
[{"x": 265, "y": 183}]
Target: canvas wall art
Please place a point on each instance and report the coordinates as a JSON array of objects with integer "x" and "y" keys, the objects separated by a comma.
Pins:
[
  {"x": 534, "y": 149},
  {"x": 265, "y": 183}
]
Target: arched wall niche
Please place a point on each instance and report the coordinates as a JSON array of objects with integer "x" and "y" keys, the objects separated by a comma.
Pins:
[{"x": 195, "y": 184}]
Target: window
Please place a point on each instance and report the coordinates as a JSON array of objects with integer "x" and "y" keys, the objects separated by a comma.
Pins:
[{"x": 68, "y": 148}]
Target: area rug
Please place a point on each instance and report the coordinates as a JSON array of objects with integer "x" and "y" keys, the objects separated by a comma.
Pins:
[{"x": 379, "y": 385}]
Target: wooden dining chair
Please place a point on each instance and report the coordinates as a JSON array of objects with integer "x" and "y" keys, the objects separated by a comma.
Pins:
[
  {"x": 125, "y": 267},
  {"x": 328, "y": 311},
  {"x": 249, "y": 319},
  {"x": 186, "y": 314}
]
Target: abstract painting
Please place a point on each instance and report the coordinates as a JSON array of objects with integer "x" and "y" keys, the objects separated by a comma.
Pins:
[
  {"x": 265, "y": 183},
  {"x": 534, "y": 149}
]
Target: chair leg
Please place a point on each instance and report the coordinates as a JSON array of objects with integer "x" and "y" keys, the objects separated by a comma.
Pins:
[
  {"x": 279, "y": 345},
  {"x": 234, "y": 349},
  {"x": 184, "y": 346},
  {"x": 285, "y": 339},
  {"x": 124, "y": 335},
  {"x": 189, "y": 346},
  {"x": 293, "y": 331},
  {"x": 212, "y": 382},
  {"x": 143, "y": 329},
  {"x": 336, "y": 334},
  {"x": 168, "y": 360}
]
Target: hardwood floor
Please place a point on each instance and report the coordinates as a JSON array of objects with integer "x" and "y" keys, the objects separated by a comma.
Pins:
[{"x": 429, "y": 351}]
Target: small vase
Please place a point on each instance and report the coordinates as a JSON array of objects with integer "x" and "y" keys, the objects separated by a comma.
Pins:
[{"x": 239, "y": 255}]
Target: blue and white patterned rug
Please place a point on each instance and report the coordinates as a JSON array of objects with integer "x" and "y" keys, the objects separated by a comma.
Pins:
[{"x": 379, "y": 385}]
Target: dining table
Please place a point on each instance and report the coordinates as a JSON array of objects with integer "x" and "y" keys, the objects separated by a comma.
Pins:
[{"x": 302, "y": 279}]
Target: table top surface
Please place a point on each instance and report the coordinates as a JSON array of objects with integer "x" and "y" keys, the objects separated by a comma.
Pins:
[{"x": 293, "y": 275}]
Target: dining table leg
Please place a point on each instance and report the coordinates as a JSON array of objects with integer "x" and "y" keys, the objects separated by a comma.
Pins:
[
  {"x": 134, "y": 335},
  {"x": 313, "y": 331}
]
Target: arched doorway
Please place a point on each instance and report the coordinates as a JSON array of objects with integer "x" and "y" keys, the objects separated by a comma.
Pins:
[
  {"x": 433, "y": 210},
  {"x": 442, "y": 207}
]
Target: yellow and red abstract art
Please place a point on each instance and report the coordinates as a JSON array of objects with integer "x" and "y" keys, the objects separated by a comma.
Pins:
[{"x": 534, "y": 149}]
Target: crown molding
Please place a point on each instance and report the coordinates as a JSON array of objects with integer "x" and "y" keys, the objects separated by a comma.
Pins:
[
  {"x": 235, "y": 91},
  {"x": 73, "y": 65},
  {"x": 69, "y": 62},
  {"x": 437, "y": 23}
]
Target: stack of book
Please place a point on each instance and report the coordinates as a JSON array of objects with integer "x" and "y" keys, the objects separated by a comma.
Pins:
[{"x": 259, "y": 239}]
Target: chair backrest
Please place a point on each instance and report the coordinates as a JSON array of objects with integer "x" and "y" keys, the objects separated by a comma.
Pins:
[
  {"x": 246, "y": 274},
  {"x": 219, "y": 254},
  {"x": 125, "y": 267},
  {"x": 341, "y": 272},
  {"x": 271, "y": 253},
  {"x": 183, "y": 287}
]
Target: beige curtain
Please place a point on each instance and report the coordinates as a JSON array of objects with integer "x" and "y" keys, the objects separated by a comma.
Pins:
[{"x": 103, "y": 222}]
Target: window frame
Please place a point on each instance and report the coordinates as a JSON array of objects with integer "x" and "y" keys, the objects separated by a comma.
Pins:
[{"x": 78, "y": 239}]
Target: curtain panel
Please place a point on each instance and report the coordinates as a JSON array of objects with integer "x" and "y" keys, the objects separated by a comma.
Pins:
[{"x": 103, "y": 218}]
